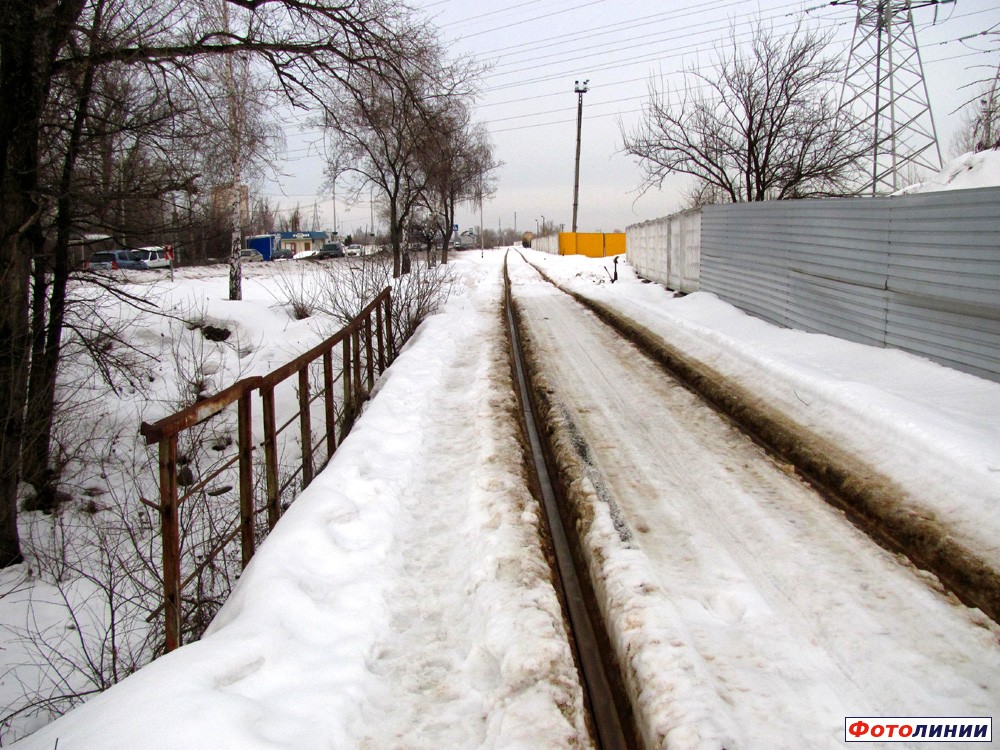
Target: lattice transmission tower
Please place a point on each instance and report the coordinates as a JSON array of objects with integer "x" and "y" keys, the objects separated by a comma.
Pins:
[{"x": 884, "y": 85}]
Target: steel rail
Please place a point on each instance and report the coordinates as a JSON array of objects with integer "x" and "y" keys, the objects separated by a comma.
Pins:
[{"x": 604, "y": 708}]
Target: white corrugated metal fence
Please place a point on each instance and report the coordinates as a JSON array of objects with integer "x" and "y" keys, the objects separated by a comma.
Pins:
[{"x": 917, "y": 272}]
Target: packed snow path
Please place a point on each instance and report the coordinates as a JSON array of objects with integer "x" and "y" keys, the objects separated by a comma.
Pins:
[
  {"x": 403, "y": 601},
  {"x": 752, "y": 613}
]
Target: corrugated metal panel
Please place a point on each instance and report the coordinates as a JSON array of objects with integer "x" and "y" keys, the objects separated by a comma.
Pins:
[
  {"x": 852, "y": 312},
  {"x": 944, "y": 282},
  {"x": 919, "y": 272},
  {"x": 547, "y": 244},
  {"x": 667, "y": 250},
  {"x": 950, "y": 245},
  {"x": 742, "y": 263}
]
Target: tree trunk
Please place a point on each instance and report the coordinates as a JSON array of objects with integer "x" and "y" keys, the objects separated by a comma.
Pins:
[
  {"x": 31, "y": 31},
  {"x": 19, "y": 241},
  {"x": 30, "y": 472},
  {"x": 15, "y": 337},
  {"x": 41, "y": 406},
  {"x": 236, "y": 245},
  {"x": 395, "y": 240},
  {"x": 449, "y": 223}
]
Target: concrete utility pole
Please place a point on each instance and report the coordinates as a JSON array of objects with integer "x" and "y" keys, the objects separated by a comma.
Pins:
[{"x": 580, "y": 89}]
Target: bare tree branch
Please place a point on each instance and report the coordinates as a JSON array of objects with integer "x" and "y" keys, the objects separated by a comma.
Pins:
[{"x": 760, "y": 124}]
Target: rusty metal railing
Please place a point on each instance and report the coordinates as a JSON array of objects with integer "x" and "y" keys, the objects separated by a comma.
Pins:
[{"x": 367, "y": 344}]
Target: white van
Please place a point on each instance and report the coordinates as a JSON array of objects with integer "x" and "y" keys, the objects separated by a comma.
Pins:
[{"x": 152, "y": 257}]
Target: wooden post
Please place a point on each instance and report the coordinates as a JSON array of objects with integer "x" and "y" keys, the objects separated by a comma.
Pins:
[
  {"x": 245, "y": 447},
  {"x": 270, "y": 457},
  {"x": 305, "y": 426},
  {"x": 330, "y": 406},
  {"x": 170, "y": 531}
]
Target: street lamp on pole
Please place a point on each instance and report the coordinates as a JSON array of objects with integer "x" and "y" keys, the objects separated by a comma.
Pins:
[{"x": 580, "y": 89}]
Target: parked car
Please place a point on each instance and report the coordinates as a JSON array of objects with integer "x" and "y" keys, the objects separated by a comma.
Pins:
[
  {"x": 114, "y": 260},
  {"x": 331, "y": 250},
  {"x": 354, "y": 251},
  {"x": 152, "y": 257},
  {"x": 282, "y": 254},
  {"x": 250, "y": 256}
]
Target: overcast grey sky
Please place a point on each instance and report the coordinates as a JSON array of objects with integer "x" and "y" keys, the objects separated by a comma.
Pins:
[{"x": 536, "y": 49}]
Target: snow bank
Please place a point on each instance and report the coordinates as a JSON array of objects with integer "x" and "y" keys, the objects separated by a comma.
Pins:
[{"x": 971, "y": 170}]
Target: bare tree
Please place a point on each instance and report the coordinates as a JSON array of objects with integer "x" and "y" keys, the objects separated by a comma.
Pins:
[
  {"x": 380, "y": 135},
  {"x": 307, "y": 47},
  {"x": 458, "y": 162},
  {"x": 760, "y": 124},
  {"x": 262, "y": 216},
  {"x": 980, "y": 128},
  {"x": 395, "y": 128},
  {"x": 104, "y": 164},
  {"x": 241, "y": 138}
]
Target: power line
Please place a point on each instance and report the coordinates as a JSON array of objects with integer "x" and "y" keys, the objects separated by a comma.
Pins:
[
  {"x": 479, "y": 17},
  {"x": 639, "y": 110},
  {"x": 647, "y": 55},
  {"x": 313, "y": 149},
  {"x": 747, "y": 34},
  {"x": 571, "y": 36},
  {"x": 535, "y": 18},
  {"x": 616, "y": 45},
  {"x": 606, "y": 31}
]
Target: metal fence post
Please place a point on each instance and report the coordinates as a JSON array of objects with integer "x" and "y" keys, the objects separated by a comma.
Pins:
[
  {"x": 270, "y": 456},
  {"x": 245, "y": 447},
  {"x": 170, "y": 532},
  {"x": 345, "y": 375},
  {"x": 305, "y": 426},
  {"x": 369, "y": 354},
  {"x": 388, "y": 329},
  {"x": 356, "y": 346},
  {"x": 329, "y": 405},
  {"x": 380, "y": 337}
]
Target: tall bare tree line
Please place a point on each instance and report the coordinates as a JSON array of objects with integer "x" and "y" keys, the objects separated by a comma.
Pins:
[
  {"x": 116, "y": 129},
  {"x": 411, "y": 139}
]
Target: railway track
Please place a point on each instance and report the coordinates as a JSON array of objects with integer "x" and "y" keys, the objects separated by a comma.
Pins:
[
  {"x": 609, "y": 709},
  {"x": 693, "y": 618}
]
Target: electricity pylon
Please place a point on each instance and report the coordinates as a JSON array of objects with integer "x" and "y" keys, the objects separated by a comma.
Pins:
[{"x": 884, "y": 86}]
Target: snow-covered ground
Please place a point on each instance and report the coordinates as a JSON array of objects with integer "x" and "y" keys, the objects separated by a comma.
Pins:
[
  {"x": 404, "y": 601},
  {"x": 971, "y": 170},
  {"x": 747, "y": 611},
  {"x": 932, "y": 430}
]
